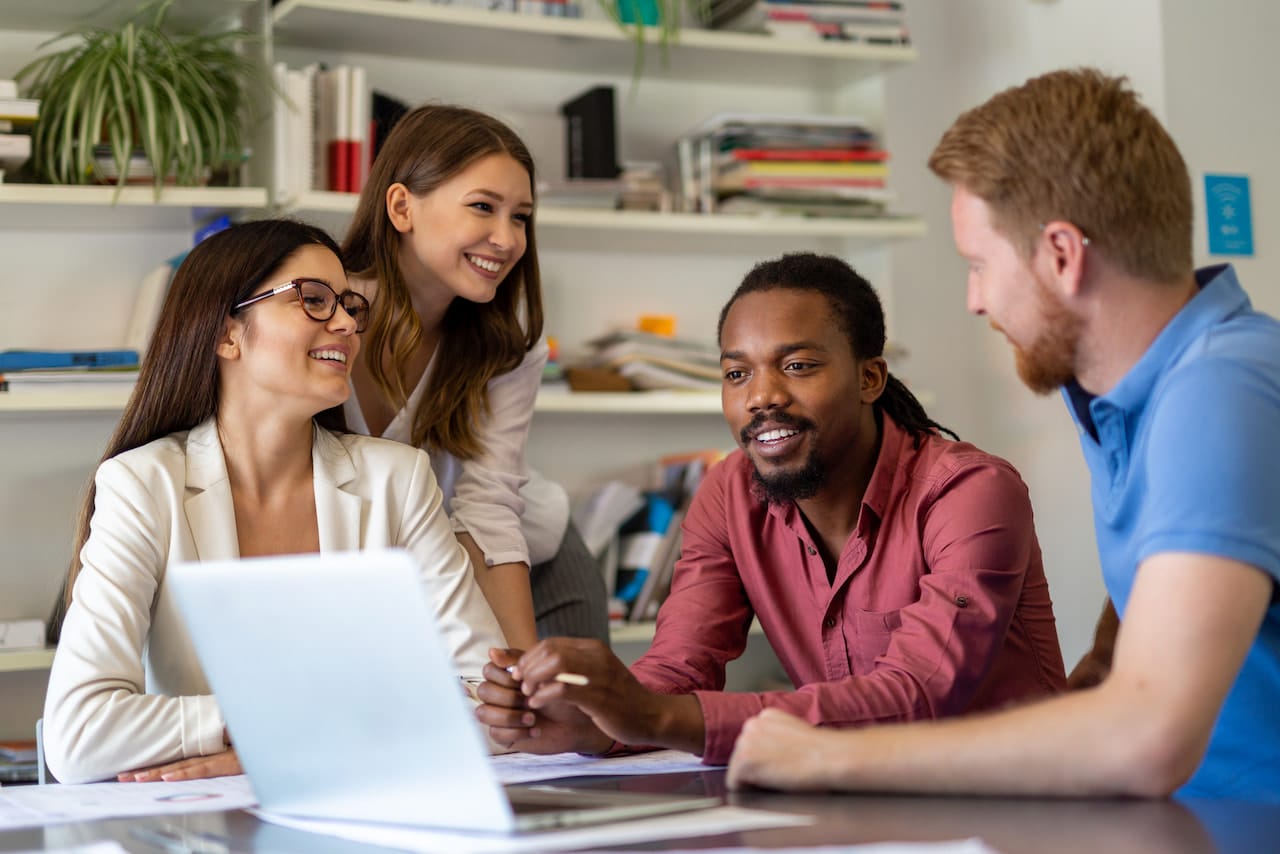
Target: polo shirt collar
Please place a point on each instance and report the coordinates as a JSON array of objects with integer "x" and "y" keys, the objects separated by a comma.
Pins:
[{"x": 1220, "y": 296}]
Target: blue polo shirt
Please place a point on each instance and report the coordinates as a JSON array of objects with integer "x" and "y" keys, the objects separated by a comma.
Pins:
[{"x": 1184, "y": 455}]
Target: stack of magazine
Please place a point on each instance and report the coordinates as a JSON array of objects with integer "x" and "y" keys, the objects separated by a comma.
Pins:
[
  {"x": 799, "y": 164},
  {"x": 878, "y": 22},
  {"x": 652, "y": 362}
]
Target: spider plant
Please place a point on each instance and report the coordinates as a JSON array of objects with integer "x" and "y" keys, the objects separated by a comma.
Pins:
[
  {"x": 636, "y": 17},
  {"x": 177, "y": 98}
]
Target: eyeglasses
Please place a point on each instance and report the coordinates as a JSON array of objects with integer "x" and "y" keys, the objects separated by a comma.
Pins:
[{"x": 319, "y": 301}]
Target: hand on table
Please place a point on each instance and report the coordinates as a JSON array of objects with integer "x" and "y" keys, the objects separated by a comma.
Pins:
[
  {"x": 222, "y": 764},
  {"x": 779, "y": 751}
]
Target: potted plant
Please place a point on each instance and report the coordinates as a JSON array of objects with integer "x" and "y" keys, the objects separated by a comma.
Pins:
[{"x": 142, "y": 96}]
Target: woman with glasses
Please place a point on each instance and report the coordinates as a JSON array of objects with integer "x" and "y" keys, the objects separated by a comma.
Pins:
[
  {"x": 233, "y": 444},
  {"x": 443, "y": 243}
]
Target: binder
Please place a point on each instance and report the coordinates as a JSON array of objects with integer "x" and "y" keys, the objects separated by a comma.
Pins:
[{"x": 26, "y": 360}]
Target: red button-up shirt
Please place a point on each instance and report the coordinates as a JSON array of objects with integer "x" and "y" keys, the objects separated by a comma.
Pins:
[{"x": 939, "y": 604}]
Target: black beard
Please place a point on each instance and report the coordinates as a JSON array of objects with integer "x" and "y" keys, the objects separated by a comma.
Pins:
[{"x": 787, "y": 486}]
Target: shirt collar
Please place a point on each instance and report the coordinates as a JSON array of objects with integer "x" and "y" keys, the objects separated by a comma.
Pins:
[{"x": 1220, "y": 296}]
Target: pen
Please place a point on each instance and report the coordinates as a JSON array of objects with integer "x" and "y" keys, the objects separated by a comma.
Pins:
[{"x": 565, "y": 677}]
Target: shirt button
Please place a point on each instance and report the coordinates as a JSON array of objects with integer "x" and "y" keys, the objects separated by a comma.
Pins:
[
  {"x": 829, "y": 622},
  {"x": 812, "y": 550},
  {"x": 962, "y": 601}
]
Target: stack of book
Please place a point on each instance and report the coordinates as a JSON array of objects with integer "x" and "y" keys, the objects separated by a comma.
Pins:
[
  {"x": 814, "y": 165},
  {"x": 324, "y": 118},
  {"x": 16, "y": 117},
  {"x": 18, "y": 762},
  {"x": 548, "y": 8},
  {"x": 651, "y": 362},
  {"x": 878, "y": 22},
  {"x": 59, "y": 370},
  {"x": 635, "y": 534}
]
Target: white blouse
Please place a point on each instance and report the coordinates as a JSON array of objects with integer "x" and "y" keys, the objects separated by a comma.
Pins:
[{"x": 513, "y": 513}]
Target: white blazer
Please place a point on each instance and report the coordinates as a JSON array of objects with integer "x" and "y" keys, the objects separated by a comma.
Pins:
[{"x": 126, "y": 690}]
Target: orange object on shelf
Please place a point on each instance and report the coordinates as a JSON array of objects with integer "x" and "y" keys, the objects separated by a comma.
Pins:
[{"x": 658, "y": 324}]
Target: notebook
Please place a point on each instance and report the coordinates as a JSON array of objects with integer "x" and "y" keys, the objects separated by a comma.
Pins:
[{"x": 343, "y": 702}]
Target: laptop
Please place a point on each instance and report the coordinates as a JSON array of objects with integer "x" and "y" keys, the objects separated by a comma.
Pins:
[{"x": 343, "y": 701}]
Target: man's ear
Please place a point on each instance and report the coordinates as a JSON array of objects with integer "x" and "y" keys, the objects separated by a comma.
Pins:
[
  {"x": 399, "y": 207},
  {"x": 228, "y": 346},
  {"x": 875, "y": 376},
  {"x": 1064, "y": 246}
]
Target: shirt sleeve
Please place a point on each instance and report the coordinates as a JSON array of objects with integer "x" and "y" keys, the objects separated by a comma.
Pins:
[
  {"x": 486, "y": 498},
  {"x": 1214, "y": 474},
  {"x": 978, "y": 538},
  {"x": 99, "y": 720},
  {"x": 465, "y": 619}
]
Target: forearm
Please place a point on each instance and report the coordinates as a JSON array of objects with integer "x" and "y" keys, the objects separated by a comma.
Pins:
[
  {"x": 1091, "y": 743},
  {"x": 506, "y": 588}
]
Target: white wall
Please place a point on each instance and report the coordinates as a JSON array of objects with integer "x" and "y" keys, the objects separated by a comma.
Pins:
[
  {"x": 968, "y": 52},
  {"x": 1220, "y": 77}
]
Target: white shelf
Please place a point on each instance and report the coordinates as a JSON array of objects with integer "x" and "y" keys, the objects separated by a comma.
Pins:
[
  {"x": 12, "y": 660},
  {"x": 631, "y": 402},
  {"x": 604, "y": 403},
  {"x": 423, "y": 30},
  {"x": 585, "y": 403},
  {"x": 49, "y": 206},
  {"x": 551, "y": 218},
  {"x": 643, "y": 632}
]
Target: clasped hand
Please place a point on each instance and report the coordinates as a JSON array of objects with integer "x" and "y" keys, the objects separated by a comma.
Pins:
[{"x": 527, "y": 709}]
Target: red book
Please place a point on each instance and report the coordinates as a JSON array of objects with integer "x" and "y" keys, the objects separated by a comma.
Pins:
[
  {"x": 341, "y": 152},
  {"x": 831, "y": 154}
]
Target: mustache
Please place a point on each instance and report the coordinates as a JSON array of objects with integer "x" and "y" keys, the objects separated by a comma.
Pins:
[{"x": 775, "y": 419}]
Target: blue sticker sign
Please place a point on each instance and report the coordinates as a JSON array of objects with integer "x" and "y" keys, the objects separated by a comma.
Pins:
[{"x": 1229, "y": 219}]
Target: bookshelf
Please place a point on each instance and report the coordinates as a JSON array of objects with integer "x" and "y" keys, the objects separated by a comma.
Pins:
[
  {"x": 598, "y": 47},
  {"x": 74, "y": 255},
  {"x": 602, "y": 403},
  {"x": 15, "y": 660},
  {"x": 137, "y": 208},
  {"x": 338, "y": 207}
]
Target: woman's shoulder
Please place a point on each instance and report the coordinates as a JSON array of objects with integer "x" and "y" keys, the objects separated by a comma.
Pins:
[
  {"x": 372, "y": 450},
  {"x": 167, "y": 452}
]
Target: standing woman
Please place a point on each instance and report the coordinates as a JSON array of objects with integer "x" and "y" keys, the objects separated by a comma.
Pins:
[
  {"x": 232, "y": 445},
  {"x": 443, "y": 244}
]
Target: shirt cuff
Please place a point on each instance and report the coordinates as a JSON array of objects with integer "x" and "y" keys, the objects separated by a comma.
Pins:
[{"x": 202, "y": 726}]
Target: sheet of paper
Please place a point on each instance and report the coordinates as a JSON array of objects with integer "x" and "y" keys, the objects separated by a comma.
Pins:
[
  {"x": 527, "y": 767},
  {"x": 28, "y": 806},
  {"x": 698, "y": 823},
  {"x": 958, "y": 846}
]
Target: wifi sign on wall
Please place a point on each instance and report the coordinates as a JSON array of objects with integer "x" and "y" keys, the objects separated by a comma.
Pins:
[{"x": 1229, "y": 218}]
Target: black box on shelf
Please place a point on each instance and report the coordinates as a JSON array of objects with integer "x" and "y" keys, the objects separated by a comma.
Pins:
[{"x": 591, "y": 148}]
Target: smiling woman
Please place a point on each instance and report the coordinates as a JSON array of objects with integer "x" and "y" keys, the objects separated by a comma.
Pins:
[
  {"x": 233, "y": 444},
  {"x": 443, "y": 241}
]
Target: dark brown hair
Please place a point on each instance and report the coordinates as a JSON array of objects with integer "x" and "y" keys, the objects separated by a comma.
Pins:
[
  {"x": 427, "y": 147},
  {"x": 177, "y": 386},
  {"x": 1077, "y": 146}
]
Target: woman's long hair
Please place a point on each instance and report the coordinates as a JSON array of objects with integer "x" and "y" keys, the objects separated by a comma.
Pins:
[
  {"x": 479, "y": 341},
  {"x": 177, "y": 386}
]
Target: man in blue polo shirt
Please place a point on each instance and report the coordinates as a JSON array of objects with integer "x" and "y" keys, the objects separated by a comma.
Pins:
[{"x": 1072, "y": 207}]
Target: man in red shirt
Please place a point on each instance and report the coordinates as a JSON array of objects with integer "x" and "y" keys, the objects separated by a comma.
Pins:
[{"x": 895, "y": 573}]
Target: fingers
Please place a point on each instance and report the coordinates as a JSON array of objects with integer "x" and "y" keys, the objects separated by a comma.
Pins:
[{"x": 194, "y": 768}]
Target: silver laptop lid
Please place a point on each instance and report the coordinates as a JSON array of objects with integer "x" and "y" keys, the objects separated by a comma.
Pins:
[{"x": 338, "y": 691}]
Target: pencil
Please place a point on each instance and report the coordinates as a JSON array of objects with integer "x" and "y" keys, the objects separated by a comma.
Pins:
[{"x": 566, "y": 678}]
